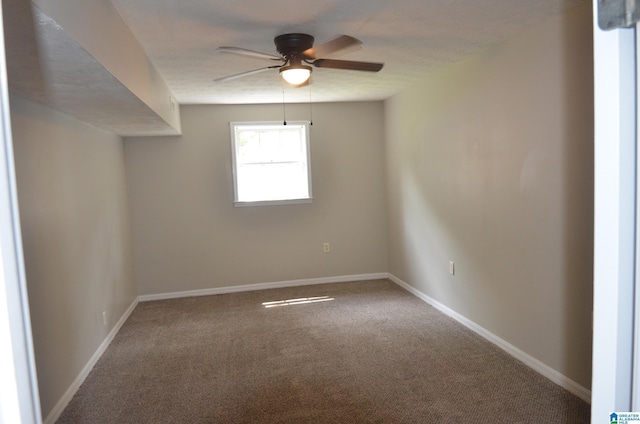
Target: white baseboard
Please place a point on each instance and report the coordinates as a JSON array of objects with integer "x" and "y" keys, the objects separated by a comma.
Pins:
[
  {"x": 262, "y": 286},
  {"x": 71, "y": 391},
  {"x": 543, "y": 369}
]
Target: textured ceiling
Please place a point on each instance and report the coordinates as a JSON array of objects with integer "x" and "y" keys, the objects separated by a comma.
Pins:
[
  {"x": 95, "y": 78},
  {"x": 46, "y": 65},
  {"x": 412, "y": 38}
]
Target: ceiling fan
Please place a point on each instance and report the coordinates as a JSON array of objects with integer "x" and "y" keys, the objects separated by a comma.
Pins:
[{"x": 297, "y": 53}]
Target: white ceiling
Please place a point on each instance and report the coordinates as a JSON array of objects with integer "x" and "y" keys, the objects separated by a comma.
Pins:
[
  {"x": 412, "y": 38},
  {"x": 180, "y": 37}
]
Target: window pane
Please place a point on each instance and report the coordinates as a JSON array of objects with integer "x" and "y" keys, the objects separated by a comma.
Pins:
[
  {"x": 271, "y": 146},
  {"x": 272, "y": 182},
  {"x": 270, "y": 162}
]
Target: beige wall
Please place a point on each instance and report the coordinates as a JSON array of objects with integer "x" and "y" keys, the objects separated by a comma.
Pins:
[
  {"x": 75, "y": 229},
  {"x": 188, "y": 235},
  {"x": 490, "y": 164}
]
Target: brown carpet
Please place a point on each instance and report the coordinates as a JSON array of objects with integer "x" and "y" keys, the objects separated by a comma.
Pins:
[{"x": 373, "y": 354}]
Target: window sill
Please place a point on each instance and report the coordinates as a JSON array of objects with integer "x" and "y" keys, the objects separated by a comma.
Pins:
[{"x": 273, "y": 202}]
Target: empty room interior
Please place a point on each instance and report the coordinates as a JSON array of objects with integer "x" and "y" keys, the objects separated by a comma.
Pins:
[{"x": 461, "y": 172}]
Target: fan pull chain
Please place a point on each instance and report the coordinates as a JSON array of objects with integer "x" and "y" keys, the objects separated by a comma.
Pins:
[
  {"x": 310, "y": 107},
  {"x": 284, "y": 111}
]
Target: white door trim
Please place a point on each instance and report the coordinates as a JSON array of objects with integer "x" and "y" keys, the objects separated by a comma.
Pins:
[{"x": 614, "y": 219}]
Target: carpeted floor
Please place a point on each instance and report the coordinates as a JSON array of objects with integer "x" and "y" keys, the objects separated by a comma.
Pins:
[{"x": 367, "y": 353}]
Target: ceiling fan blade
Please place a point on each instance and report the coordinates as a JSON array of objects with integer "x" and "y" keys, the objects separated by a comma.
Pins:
[
  {"x": 341, "y": 43},
  {"x": 348, "y": 64},
  {"x": 250, "y": 53},
  {"x": 244, "y": 74}
]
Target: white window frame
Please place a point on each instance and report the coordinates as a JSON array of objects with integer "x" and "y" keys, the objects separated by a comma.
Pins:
[{"x": 275, "y": 124}]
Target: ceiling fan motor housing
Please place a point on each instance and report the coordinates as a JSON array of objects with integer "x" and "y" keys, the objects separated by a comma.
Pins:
[{"x": 293, "y": 44}]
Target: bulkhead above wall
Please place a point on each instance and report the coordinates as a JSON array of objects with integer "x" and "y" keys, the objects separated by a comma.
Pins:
[{"x": 79, "y": 68}]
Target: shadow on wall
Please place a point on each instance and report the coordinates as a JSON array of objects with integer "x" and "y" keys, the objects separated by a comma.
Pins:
[
  {"x": 24, "y": 69},
  {"x": 578, "y": 179}
]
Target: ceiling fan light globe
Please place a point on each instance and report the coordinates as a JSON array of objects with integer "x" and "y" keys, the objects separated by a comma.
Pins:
[{"x": 295, "y": 75}]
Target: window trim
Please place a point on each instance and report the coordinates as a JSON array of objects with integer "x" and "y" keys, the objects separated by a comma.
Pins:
[{"x": 238, "y": 203}]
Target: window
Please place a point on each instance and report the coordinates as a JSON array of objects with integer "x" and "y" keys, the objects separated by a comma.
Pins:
[{"x": 270, "y": 163}]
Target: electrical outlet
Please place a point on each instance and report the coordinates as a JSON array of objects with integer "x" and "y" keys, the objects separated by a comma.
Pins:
[
  {"x": 452, "y": 268},
  {"x": 326, "y": 247}
]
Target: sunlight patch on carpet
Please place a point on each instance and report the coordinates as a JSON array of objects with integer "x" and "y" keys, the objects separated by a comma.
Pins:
[{"x": 299, "y": 301}]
